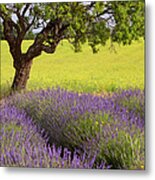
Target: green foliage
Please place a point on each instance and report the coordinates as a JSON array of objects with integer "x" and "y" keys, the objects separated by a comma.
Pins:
[
  {"x": 123, "y": 151},
  {"x": 94, "y": 22},
  {"x": 129, "y": 21},
  {"x": 84, "y": 129},
  {"x": 29, "y": 36},
  {"x": 11, "y": 126},
  {"x": 3, "y": 8}
]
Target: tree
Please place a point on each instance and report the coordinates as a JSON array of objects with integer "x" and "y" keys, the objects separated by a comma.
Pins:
[{"x": 77, "y": 22}]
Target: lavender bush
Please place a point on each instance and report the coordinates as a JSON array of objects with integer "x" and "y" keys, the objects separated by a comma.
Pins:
[
  {"x": 132, "y": 100},
  {"x": 122, "y": 146},
  {"x": 22, "y": 145},
  {"x": 110, "y": 127}
]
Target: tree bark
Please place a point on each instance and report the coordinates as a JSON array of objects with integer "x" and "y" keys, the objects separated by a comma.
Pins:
[{"x": 22, "y": 72}]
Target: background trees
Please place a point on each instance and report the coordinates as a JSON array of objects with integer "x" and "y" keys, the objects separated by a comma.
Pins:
[{"x": 77, "y": 22}]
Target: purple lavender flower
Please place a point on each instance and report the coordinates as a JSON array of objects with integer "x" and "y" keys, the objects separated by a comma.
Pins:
[
  {"x": 110, "y": 127},
  {"x": 22, "y": 145}
]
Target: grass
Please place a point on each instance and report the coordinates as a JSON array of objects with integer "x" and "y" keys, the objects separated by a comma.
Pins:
[{"x": 82, "y": 72}]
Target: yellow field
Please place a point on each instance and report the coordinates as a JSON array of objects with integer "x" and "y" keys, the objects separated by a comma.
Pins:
[{"x": 82, "y": 72}]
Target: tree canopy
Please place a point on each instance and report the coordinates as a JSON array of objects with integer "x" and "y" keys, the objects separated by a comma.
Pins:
[{"x": 77, "y": 22}]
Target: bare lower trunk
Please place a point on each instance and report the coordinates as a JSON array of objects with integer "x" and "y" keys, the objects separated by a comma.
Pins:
[{"x": 21, "y": 76}]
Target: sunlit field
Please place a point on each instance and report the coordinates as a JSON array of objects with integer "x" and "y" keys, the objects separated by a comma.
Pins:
[{"x": 81, "y": 72}]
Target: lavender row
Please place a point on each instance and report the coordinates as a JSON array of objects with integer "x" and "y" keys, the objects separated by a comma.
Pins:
[
  {"x": 112, "y": 127},
  {"x": 127, "y": 105},
  {"x": 22, "y": 145}
]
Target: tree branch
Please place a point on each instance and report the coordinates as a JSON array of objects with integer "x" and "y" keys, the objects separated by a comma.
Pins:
[
  {"x": 49, "y": 49},
  {"x": 30, "y": 24},
  {"x": 9, "y": 36},
  {"x": 21, "y": 20},
  {"x": 25, "y": 9},
  {"x": 106, "y": 11},
  {"x": 56, "y": 29},
  {"x": 90, "y": 6}
]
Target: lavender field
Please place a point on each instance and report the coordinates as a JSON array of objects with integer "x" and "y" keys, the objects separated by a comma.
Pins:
[{"x": 63, "y": 129}]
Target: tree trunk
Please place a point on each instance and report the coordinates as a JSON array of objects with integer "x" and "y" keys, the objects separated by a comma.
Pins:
[{"x": 22, "y": 72}]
